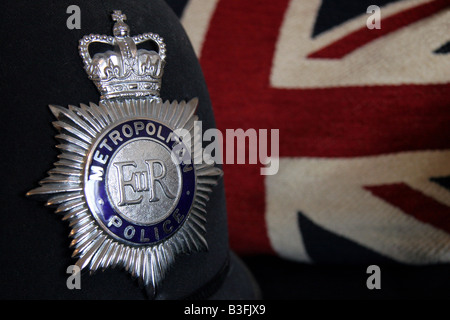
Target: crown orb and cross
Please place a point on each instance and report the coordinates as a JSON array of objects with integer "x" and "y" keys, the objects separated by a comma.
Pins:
[
  {"x": 120, "y": 28},
  {"x": 117, "y": 15}
]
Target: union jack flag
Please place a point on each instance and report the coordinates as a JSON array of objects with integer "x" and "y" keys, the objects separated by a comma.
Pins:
[{"x": 364, "y": 120}]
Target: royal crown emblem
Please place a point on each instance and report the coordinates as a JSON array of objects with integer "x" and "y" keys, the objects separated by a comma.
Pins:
[
  {"x": 126, "y": 71},
  {"x": 127, "y": 179}
]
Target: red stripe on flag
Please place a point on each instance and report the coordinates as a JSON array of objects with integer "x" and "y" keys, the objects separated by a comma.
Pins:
[
  {"x": 363, "y": 36},
  {"x": 236, "y": 59},
  {"x": 414, "y": 203}
]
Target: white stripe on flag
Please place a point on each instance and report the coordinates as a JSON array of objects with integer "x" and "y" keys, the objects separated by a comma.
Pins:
[
  {"x": 195, "y": 20},
  {"x": 331, "y": 193}
]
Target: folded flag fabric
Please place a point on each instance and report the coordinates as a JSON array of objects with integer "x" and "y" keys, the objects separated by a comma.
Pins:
[{"x": 360, "y": 93}]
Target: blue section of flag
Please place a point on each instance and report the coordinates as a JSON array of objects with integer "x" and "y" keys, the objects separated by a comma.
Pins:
[
  {"x": 324, "y": 246},
  {"x": 442, "y": 181},
  {"x": 444, "y": 49}
]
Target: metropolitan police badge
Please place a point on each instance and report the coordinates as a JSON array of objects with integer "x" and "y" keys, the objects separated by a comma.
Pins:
[{"x": 128, "y": 179}]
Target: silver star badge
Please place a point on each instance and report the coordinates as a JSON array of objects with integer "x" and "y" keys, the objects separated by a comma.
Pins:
[{"x": 133, "y": 197}]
